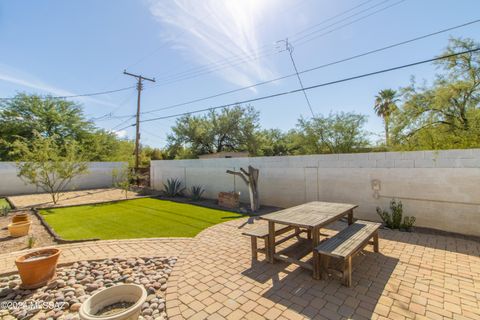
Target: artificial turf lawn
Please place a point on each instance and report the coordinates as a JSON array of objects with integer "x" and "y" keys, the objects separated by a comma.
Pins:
[
  {"x": 139, "y": 218},
  {"x": 4, "y": 203}
]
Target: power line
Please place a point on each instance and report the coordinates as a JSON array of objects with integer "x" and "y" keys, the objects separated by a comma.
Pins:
[
  {"x": 349, "y": 23},
  {"x": 110, "y": 115},
  {"x": 351, "y": 16},
  {"x": 122, "y": 123},
  {"x": 317, "y": 67},
  {"x": 331, "y": 18},
  {"x": 80, "y": 95},
  {"x": 229, "y": 63},
  {"x": 312, "y": 87}
]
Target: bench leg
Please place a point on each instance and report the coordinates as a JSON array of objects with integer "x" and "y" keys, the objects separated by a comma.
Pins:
[
  {"x": 309, "y": 234},
  {"x": 254, "y": 248},
  {"x": 347, "y": 272},
  {"x": 375, "y": 242}
]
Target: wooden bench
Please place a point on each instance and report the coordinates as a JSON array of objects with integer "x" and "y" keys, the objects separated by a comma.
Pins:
[
  {"x": 345, "y": 245},
  {"x": 261, "y": 232}
]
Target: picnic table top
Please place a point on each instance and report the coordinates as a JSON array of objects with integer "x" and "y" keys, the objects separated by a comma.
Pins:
[{"x": 310, "y": 215}]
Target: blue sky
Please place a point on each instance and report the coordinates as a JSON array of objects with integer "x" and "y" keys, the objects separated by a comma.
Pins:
[{"x": 74, "y": 47}]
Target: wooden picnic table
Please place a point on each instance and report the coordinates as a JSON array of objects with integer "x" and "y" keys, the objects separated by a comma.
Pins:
[{"x": 311, "y": 216}]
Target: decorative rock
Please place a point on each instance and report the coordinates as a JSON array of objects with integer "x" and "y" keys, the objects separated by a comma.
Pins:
[
  {"x": 75, "y": 307},
  {"x": 74, "y": 285},
  {"x": 91, "y": 287},
  {"x": 147, "y": 312}
]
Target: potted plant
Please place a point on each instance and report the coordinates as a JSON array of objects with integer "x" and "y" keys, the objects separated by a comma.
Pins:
[
  {"x": 37, "y": 268},
  {"x": 120, "y": 302},
  {"x": 19, "y": 229},
  {"x": 20, "y": 217}
]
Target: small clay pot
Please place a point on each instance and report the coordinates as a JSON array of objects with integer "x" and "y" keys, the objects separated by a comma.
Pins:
[
  {"x": 20, "y": 217},
  {"x": 19, "y": 229},
  {"x": 37, "y": 268}
]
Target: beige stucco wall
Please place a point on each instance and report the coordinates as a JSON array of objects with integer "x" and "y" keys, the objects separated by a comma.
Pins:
[
  {"x": 99, "y": 176},
  {"x": 440, "y": 188}
]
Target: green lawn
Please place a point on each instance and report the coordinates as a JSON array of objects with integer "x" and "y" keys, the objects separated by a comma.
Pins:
[
  {"x": 140, "y": 218},
  {"x": 4, "y": 203}
]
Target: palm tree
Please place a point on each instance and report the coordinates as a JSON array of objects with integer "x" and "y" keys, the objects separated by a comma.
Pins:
[{"x": 385, "y": 105}]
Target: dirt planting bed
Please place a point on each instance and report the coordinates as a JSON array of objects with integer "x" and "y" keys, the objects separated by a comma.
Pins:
[
  {"x": 42, "y": 200},
  {"x": 37, "y": 230}
]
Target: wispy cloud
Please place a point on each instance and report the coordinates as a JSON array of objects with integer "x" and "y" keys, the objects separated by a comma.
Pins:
[
  {"x": 24, "y": 80},
  {"x": 121, "y": 133},
  {"x": 209, "y": 31}
]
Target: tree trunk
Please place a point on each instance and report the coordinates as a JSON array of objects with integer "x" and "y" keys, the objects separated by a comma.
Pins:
[
  {"x": 251, "y": 180},
  {"x": 386, "y": 133}
]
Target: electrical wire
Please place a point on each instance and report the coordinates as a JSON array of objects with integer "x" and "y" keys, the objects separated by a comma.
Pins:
[
  {"x": 316, "y": 68},
  {"x": 229, "y": 63},
  {"x": 311, "y": 87},
  {"x": 80, "y": 95}
]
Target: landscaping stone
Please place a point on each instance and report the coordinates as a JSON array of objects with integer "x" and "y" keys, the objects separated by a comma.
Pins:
[{"x": 76, "y": 283}]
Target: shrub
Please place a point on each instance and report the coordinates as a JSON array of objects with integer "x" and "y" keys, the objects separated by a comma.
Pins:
[
  {"x": 196, "y": 193},
  {"x": 393, "y": 220},
  {"x": 173, "y": 187},
  {"x": 31, "y": 242}
]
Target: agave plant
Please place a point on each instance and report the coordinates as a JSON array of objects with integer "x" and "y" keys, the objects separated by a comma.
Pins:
[
  {"x": 196, "y": 193},
  {"x": 173, "y": 187}
]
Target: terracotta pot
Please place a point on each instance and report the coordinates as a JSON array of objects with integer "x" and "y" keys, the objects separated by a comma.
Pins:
[
  {"x": 20, "y": 217},
  {"x": 119, "y": 293},
  {"x": 19, "y": 229},
  {"x": 37, "y": 268}
]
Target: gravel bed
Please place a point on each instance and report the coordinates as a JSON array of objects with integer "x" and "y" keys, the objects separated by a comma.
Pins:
[{"x": 75, "y": 283}]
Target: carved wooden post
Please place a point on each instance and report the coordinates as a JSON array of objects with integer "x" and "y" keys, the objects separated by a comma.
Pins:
[{"x": 251, "y": 179}]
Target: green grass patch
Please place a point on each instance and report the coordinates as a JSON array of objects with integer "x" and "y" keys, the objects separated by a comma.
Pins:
[
  {"x": 139, "y": 218},
  {"x": 4, "y": 203}
]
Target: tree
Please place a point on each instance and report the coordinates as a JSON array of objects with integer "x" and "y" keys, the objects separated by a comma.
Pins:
[
  {"x": 48, "y": 165},
  {"x": 124, "y": 178},
  {"x": 336, "y": 133},
  {"x": 232, "y": 129},
  {"x": 446, "y": 114},
  {"x": 25, "y": 114},
  {"x": 385, "y": 105}
]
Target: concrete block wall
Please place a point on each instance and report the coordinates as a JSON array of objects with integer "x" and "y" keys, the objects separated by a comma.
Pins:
[
  {"x": 99, "y": 175},
  {"x": 440, "y": 188}
]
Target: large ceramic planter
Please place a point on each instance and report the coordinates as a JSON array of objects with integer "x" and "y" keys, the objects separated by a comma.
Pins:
[
  {"x": 20, "y": 217},
  {"x": 19, "y": 229},
  {"x": 120, "y": 293},
  {"x": 37, "y": 268}
]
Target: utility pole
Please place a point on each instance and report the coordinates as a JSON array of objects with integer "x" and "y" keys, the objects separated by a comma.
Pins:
[
  {"x": 140, "y": 78},
  {"x": 289, "y": 48}
]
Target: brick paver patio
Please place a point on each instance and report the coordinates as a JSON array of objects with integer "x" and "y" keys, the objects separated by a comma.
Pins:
[
  {"x": 416, "y": 276},
  {"x": 96, "y": 250}
]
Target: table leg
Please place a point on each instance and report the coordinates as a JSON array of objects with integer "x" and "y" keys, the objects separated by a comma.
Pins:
[
  {"x": 316, "y": 258},
  {"x": 350, "y": 217},
  {"x": 271, "y": 241}
]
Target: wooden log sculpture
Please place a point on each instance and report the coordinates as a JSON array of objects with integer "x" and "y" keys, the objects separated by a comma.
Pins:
[{"x": 251, "y": 179}]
